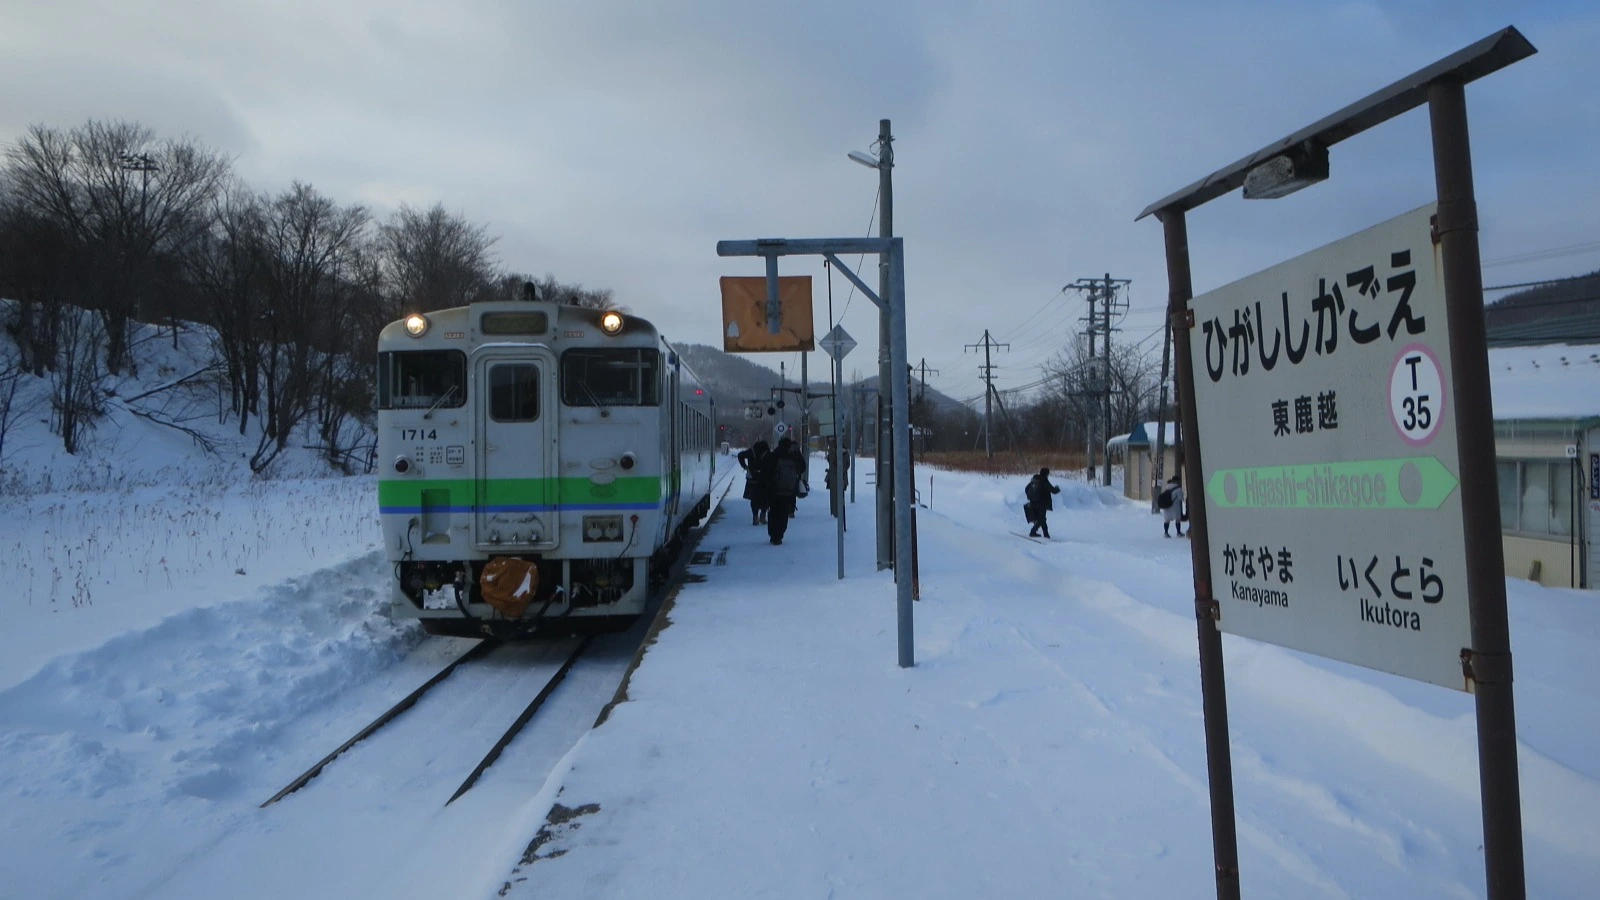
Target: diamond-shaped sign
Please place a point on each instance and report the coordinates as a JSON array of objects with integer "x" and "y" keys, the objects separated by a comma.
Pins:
[{"x": 837, "y": 343}]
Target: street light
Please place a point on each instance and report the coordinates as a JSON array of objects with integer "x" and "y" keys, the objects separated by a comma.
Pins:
[
  {"x": 865, "y": 159},
  {"x": 884, "y": 471}
]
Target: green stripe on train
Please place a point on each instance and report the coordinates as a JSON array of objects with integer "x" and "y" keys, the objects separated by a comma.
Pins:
[{"x": 516, "y": 491}]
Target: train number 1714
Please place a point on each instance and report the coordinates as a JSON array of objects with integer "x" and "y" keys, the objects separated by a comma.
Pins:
[{"x": 419, "y": 434}]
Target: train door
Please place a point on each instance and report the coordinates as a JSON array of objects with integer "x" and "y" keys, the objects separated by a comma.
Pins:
[
  {"x": 516, "y": 450},
  {"x": 675, "y": 450}
]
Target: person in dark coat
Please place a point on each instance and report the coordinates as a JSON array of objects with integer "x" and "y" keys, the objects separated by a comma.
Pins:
[
  {"x": 1170, "y": 502},
  {"x": 1039, "y": 492},
  {"x": 755, "y": 489},
  {"x": 785, "y": 475}
]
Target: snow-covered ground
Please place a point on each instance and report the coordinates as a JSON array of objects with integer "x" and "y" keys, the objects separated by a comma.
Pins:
[{"x": 1048, "y": 742}]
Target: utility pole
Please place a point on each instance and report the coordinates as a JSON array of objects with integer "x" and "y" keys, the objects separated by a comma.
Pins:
[
  {"x": 1100, "y": 323},
  {"x": 805, "y": 408},
  {"x": 988, "y": 344},
  {"x": 922, "y": 395},
  {"x": 1159, "y": 466},
  {"x": 883, "y": 474},
  {"x": 144, "y": 164}
]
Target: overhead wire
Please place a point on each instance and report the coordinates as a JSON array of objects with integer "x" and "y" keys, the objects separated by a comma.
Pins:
[
  {"x": 1023, "y": 324},
  {"x": 872, "y": 219},
  {"x": 1541, "y": 255}
]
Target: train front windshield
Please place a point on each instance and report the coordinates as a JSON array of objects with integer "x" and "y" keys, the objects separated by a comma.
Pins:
[
  {"x": 421, "y": 379},
  {"x": 612, "y": 376}
]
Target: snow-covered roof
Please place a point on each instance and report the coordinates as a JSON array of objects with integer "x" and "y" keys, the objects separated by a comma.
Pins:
[
  {"x": 1553, "y": 381},
  {"x": 1145, "y": 435}
]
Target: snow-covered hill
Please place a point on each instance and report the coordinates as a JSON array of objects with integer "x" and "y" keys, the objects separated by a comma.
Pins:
[{"x": 167, "y": 422}]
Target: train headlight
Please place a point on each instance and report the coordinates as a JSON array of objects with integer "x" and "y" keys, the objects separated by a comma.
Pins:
[
  {"x": 402, "y": 465},
  {"x": 627, "y": 461},
  {"x": 416, "y": 324},
  {"x": 611, "y": 322}
]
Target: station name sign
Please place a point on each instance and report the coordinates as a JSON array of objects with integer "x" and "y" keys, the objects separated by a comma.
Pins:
[{"x": 1322, "y": 391}]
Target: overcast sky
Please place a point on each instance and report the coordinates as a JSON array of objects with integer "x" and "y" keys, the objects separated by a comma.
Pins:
[{"x": 613, "y": 144}]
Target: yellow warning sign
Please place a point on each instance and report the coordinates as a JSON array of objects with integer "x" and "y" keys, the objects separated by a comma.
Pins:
[{"x": 744, "y": 315}]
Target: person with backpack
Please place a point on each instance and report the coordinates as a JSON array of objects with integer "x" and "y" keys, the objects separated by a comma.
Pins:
[
  {"x": 1040, "y": 502},
  {"x": 755, "y": 489},
  {"x": 785, "y": 471},
  {"x": 1170, "y": 502}
]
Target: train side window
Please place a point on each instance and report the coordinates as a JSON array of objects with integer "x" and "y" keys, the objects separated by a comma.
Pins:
[
  {"x": 514, "y": 392},
  {"x": 610, "y": 376},
  {"x": 422, "y": 379}
]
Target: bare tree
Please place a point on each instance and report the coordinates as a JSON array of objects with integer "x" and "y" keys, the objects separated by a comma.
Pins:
[
  {"x": 434, "y": 259},
  {"x": 1072, "y": 398},
  {"x": 349, "y": 359},
  {"x": 75, "y": 399},
  {"x": 117, "y": 191},
  {"x": 512, "y": 286},
  {"x": 12, "y": 405},
  {"x": 308, "y": 248},
  {"x": 225, "y": 266},
  {"x": 37, "y": 260}
]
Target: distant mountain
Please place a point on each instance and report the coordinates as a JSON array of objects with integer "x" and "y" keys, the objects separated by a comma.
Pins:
[
  {"x": 938, "y": 403},
  {"x": 736, "y": 383},
  {"x": 1564, "y": 311}
]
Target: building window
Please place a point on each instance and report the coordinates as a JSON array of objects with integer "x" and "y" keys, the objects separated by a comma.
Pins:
[
  {"x": 1536, "y": 497},
  {"x": 1506, "y": 473}
]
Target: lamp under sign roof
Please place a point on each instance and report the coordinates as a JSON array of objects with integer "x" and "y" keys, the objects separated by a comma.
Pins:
[{"x": 1287, "y": 172}]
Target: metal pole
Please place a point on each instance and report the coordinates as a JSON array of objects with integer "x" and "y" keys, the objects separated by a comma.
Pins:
[
  {"x": 805, "y": 407},
  {"x": 1489, "y": 659},
  {"x": 836, "y": 491},
  {"x": 1105, "y": 398},
  {"x": 855, "y": 435},
  {"x": 988, "y": 392},
  {"x": 899, "y": 406},
  {"x": 1159, "y": 464},
  {"x": 884, "y": 476},
  {"x": 1089, "y": 420},
  {"x": 1213, "y": 690}
]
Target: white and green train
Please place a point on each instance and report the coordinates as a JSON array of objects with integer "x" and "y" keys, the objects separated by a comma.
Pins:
[{"x": 571, "y": 438}]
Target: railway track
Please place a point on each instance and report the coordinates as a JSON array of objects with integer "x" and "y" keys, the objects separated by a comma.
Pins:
[
  {"x": 570, "y": 651},
  {"x": 572, "y": 648}
]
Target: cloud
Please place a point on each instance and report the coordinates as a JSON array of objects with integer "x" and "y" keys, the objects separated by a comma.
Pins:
[{"x": 614, "y": 143}]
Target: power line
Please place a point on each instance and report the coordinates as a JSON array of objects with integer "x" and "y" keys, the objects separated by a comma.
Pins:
[
  {"x": 1035, "y": 314},
  {"x": 1525, "y": 284},
  {"x": 1541, "y": 255},
  {"x": 873, "y": 218}
]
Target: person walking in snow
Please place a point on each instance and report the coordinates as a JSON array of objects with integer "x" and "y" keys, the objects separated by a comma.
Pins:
[
  {"x": 751, "y": 460},
  {"x": 785, "y": 476},
  {"x": 1170, "y": 502},
  {"x": 1040, "y": 501}
]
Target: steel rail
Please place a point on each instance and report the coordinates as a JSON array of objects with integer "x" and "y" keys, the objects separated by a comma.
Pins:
[
  {"x": 527, "y": 714},
  {"x": 477, "y": 651}
]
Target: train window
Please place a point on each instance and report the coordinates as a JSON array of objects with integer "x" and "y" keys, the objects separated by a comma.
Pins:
[
  {"x": 514, "y": 392},
  {"x": 611, "y": 376},
  {"x": 422, "y": 379}
]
